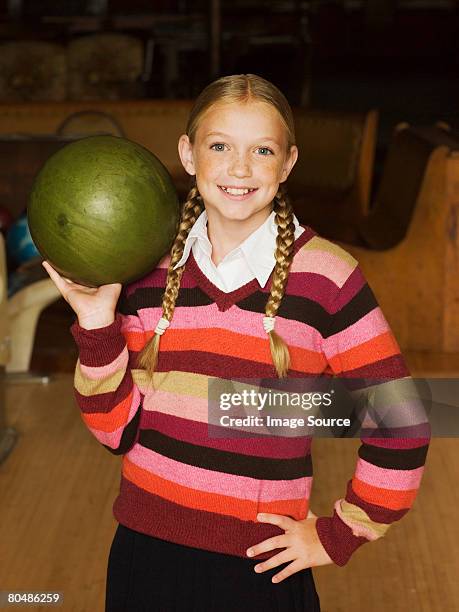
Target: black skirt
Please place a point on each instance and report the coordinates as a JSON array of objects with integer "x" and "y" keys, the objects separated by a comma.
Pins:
[{"x": 146, "y": 574}]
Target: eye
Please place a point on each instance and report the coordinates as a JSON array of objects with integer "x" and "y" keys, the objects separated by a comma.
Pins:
[
  {"x": 218, "y": 144},
  {"x": 265, "y": 149}
]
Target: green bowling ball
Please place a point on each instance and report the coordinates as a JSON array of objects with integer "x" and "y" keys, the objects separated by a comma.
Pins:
[{"x": 103, "y": 210}]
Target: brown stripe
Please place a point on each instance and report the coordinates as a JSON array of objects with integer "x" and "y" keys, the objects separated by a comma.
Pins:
[
  {"x": 360, "y": 305},
  {"x": 262, "y": 468},
  {"x": 294, "y": 308},
  {"x": 393, "y": 458},
  {"x": 244, "y": 443}
]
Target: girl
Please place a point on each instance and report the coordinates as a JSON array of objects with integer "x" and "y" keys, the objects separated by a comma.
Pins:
[{"x": 209, "y": 523}]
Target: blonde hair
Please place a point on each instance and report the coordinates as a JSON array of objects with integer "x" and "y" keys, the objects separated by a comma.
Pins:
[{"x": 232, "y": 89}]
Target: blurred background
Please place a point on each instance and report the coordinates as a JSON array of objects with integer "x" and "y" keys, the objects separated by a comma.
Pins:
[{"x": 374, "y": 88}]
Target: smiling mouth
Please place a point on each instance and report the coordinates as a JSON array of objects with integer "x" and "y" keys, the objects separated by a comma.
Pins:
[{"x": 237, "y": 191}]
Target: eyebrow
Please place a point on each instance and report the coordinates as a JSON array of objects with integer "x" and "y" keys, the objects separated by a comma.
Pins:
[{"x": 227, "y": 136}]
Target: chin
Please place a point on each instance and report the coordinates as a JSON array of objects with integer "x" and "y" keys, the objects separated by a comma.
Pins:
[{"x": 237, "y": 216}]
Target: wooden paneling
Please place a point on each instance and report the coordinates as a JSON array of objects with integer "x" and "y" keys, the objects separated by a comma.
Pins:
[{"x": 416, "y": 282}]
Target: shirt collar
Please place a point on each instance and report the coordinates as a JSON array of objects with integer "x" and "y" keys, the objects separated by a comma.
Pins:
[
  {"x": 197, "y": 232},
  {"x": 257, "y": 249}
]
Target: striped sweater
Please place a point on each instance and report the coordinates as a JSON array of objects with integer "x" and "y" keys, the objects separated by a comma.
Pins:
[{"x": 183, "y": 485}]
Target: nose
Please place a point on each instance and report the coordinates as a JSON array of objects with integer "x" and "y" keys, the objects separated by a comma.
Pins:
[{"x": 240, "y": 167}]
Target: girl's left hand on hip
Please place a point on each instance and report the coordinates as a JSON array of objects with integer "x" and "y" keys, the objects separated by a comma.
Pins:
[{"x": 300, "y": 540}]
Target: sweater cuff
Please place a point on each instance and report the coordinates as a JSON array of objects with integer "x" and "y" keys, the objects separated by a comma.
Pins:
[
  {"x": 99, "y": 346},
  {"x": 337, "y": 538}
]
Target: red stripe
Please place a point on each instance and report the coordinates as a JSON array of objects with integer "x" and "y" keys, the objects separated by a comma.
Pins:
[
  {"x": 196, "y": 433},
  {"x": 155, "y": 516},
  {"x": 105, "y": 402}
]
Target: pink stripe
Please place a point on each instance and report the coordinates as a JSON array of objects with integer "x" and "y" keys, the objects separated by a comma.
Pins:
[
  {"x": 370, "y": 326},
  {"x": 100, "y": 372},
  {"x": 164, "y": 263},
  {"x": 236, "y": 320},
  {"x": 113, "y": 438},
  {"x": 184, "y": 406},
  {"x": 397, "y": 480},
  {"x": 322, "y": 262},
  {"x": 221, "y": 483},
  {"x": 194, "y": 409},
  {"x": 151, "y": 315}
]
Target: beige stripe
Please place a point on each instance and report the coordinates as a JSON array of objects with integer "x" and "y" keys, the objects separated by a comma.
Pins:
[
  {"x": 188, "y": 384},
  {"x": 181, "y": 383},
  {"x": 192, "y": 385},
  {"x": 322, "y": 244},
  {"x": 88, "y": 386},
  {"x": 353, "y": 515}
]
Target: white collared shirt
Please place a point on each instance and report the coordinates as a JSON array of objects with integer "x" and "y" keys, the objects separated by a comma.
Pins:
[{"x": 253, "y": 258}]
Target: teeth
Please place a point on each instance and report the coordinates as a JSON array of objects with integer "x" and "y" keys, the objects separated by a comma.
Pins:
[{"x": 232, "y": 191}]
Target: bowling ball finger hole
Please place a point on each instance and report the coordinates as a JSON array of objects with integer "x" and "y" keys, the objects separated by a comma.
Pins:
[{"x": 62, "y": 220}]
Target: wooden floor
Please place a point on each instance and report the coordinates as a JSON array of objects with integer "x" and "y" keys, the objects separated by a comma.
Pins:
[{"x": 58, "y": 485}]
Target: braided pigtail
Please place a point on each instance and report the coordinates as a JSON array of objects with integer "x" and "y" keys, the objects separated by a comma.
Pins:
[
  {"x": 148, "y": 357},
  {"x": 284, "y": 255}
]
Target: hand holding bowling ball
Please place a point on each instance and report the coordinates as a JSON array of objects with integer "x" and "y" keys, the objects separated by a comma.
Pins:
[{"x": 94, "y": 306}]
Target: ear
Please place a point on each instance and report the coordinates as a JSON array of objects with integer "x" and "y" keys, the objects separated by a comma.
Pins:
[
  {"x": 289, "y": 163},
  {"x": 185, "y": 151}
]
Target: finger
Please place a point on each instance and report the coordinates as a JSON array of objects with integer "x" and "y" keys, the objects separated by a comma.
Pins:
[
  {"x": 282, "y": 521},
  {"x": 283, "y": 557},
  {"x": 279, "y": 541},
  {"x": 57, "y": 278},
  {"x": 58, "y": 281},
  {"x": 294, "y": 567}
]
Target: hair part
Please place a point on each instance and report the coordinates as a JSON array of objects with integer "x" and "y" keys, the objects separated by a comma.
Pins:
[{"x": 241, "y": 88}]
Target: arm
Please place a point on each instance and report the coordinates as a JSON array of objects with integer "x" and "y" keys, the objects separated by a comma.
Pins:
[
  {"x": 360, "y": 345},
  {"x": 109, "y": 400}
]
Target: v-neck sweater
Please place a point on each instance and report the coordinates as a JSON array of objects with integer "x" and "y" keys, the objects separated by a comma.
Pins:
[{"x": 181, "y": 484}]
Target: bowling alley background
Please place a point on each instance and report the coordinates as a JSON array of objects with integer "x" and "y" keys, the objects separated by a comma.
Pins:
[{"x": 374, "y": 88}]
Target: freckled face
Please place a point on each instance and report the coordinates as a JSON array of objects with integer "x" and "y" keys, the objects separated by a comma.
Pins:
[{"x": 239, "y": 146}]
